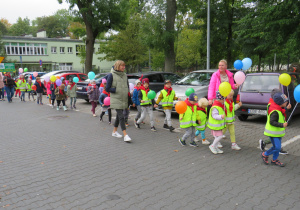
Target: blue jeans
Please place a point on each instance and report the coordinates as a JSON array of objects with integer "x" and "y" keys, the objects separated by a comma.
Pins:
[
  {"x": 9, "y": 92},
  {"x": 22, "y": 95},
  {"x": 275, "y": 149},
  {"x": 202, "y": 133}
]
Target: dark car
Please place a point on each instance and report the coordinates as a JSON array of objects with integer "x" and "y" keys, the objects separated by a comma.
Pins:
[
  {"x": 255, "y": 93},
  {"x": 82, "y": 86}
]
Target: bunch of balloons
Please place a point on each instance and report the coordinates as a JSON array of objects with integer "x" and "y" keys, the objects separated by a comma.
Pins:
[{"x": 244, "y": 64}]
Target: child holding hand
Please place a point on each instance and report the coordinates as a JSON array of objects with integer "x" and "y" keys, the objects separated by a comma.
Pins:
[
  {"x": 135, "y": 99},
  {"x": 40, "y": 87},
  {"x": 61, "y": 96},
  {"x": 105, "y": 108},
  {"x": 202, "y": 112},
  {"x": 30, "y": 90},
  {"x": 71, "y": 92}
]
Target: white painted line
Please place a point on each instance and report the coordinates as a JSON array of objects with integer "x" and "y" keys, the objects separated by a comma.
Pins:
[{"x": 290, "y": 141}]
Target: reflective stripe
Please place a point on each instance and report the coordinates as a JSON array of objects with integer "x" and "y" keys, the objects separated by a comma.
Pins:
[
  {"x": 229, "y": 118},
  {"x": 187, "y": 123},
  {"x": 216, "y": 125},
  {"x": 275, "y": 132},
  {"x": 166, "y": 103},
  {"x": 202, "y": 126},
  {"x": 146, "y": 102}
]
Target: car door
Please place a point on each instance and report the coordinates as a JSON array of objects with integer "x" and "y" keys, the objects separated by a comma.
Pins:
[{"x": 156, "y": 81}]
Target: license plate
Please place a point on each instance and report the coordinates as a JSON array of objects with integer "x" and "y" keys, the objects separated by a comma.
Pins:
[
  {"x": 257, "y": 111},
  {"x": 79, "y": 88}
]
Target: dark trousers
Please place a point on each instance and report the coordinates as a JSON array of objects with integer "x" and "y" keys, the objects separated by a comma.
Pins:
[
  {"x": 52, "y": 101},
  {"x": 63, "y": 102},
  {"x": 109, "y": 115},
  {"x": 120, "y": 119}
]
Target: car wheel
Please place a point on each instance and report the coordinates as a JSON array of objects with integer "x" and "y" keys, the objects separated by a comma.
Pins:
[{"x": 243, "y": 117}]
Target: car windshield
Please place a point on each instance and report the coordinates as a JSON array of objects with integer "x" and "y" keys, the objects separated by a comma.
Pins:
[
  {"x": 260, "y": 83},
  {"x": 195, "y": 78}
]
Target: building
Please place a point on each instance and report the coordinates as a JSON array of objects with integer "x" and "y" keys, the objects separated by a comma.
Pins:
[{"x": 47, "y": 54}]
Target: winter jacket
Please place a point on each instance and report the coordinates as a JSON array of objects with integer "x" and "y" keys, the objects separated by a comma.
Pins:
[
  {"x": 48, "y": 88},
  {"x": 52, "y": 88},
  {"x": 215, "y": 82},
  {"x": 101, "y": 98},
  {"x": 9, "y": 82},
  {"x": 135, "y": 97},
  {"x": 39, "y": 89},
  {"x": 72, "y": 92},
  {"x": 59, "y": 96},
  {"x": 93, "y": 95}
]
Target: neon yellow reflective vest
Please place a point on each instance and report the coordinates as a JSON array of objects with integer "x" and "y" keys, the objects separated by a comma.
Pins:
[
  {"x": 273, "y": 131},
  {"x": 22, "y": 85},
  {"x": 216, "y": 124},
  {"x": 167, "y": 100},
  {"x": 203, "y": 119},
  {"x": 146, "y": 100},
  {"x": 29, "y": 87},
  {"x": 189, "y": 118},
  {"x": 230, "y": 115}
]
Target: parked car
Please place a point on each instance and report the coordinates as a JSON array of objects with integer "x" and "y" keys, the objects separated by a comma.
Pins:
[
  {"x": 49, "y": 74},
  {"x": 71, "y": 75},
  {"x": 28, "y": 74},
  {"x": 198, "y": 80},
  {"x": 82, "y": 86},
  {"x": 255, "y": 93}
]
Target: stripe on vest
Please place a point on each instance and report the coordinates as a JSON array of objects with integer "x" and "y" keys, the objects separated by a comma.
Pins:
[
  {"x": 229, "y": 118},
  {"x": 146, "y": 102},
  {"x": 275, "y": 132},
  {"x": 187, "y": 123},
  {"x": 167, "y": 103},
  {"x": 216, "y": 125},
  {"x": 202, "y": 126}
]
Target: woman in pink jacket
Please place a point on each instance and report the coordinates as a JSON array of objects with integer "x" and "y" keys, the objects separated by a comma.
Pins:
[{"x": 222, "y": 75}]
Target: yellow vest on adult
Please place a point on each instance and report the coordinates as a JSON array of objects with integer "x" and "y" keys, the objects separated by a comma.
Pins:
[
  {"x": 22, "y": 85},
  {"x": 189, "y": 118},
  {"x": 216, "y": 124},
  {"x": 273, "y": 131},
  {"x": 230, "y": 115},
  {"x": 203, "y": 119},
  {"x": 146, "y": 100},
  {"x": 167, "y": 100}
]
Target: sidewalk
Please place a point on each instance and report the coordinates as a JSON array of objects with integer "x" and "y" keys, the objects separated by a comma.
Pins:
[{"x": 69, "y": 160}]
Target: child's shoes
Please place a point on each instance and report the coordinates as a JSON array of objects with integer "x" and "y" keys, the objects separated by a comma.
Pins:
[
  {"x": 234, "y": 146},
  {"x": 204, "y": 141}
]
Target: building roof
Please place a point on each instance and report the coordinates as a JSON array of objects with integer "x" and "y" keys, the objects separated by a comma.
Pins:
[{"x": 43, "y": 39}]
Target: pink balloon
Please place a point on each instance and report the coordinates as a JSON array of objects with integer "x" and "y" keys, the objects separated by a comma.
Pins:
[
  {"x": 104, "y": 81},
  {"x": 107, "y": 101},
  {"x": 20, "y": 70},
  {"x": 239, "y": 77},
  {"x": 35, "y": 74}
]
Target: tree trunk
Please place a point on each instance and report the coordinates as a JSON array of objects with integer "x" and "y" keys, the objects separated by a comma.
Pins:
[
  {"x": 170, "y": 26},
  {"x": 229, "y": 36},
  {"x": 90, "y": 41}
]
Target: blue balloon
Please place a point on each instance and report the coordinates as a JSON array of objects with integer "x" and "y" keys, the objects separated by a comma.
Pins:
[
  {"x": 75, "y": 79},
  {"x": 247, "y": 62},
  {"x": 238, "y": 64},
  {"x": 91, "y": 75},
  {"x": 297, "y": 93},
  {"x": 62, "y": 78}
]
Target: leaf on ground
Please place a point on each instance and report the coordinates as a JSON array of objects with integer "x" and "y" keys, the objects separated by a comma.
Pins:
[{"x": 175, "y": 150}]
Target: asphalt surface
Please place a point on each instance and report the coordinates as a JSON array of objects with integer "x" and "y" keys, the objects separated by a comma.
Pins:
[{"x": 68, "y": 160}]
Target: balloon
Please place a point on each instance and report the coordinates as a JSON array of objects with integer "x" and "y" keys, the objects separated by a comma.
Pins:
[
  {"x": 25, "y": 69},
  {"x": 239, "y": 77},
  {"x": 58, "y": 82},
  {"x": 33, "y": 87},
  {"x": 189, "y": 91},
  {"x": 35, "y": 74},
  {"x": 225, "y": 88},
  {"x": 297, "y": 93},
  {"x": 75, "y": 79},
  {"x": 131, "y": 86},
  {"x": 52, "y": 78},
  {"x": 247, "y": 62},
  {"x": 91, "y": 75},
  {"x": 57, "y": 77},
  {"x": 285, "y": 79},
  {"x": 47, "y": 78},
  {"x": 106, "y": 101},
  {"x": 181, "y": 107},
  {"x": 62, "y": 78},
  {"x": 238, "y": 64},
  {"x": 20, "y": 70},
  {"x": 151, "y": 94},
  {"x": 104, "y": 81}
]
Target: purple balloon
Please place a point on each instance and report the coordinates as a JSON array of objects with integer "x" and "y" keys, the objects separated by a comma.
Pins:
[
  {"x": 58, "y": 82},
  {"x": 131, "y": 86}
]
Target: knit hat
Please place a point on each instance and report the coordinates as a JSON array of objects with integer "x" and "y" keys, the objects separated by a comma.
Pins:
[
  {"x": 146, "y": 80},
  {"x": 218, "y": 95},
  {"x": 104, "y": 81},
  {"x": 280, "y": 98},
  {"x": 137, "y": 81},
  {"x": 274, "y": 91},
  {"x": 193, "y": 97},
  {"x": 167, "y": 81}
]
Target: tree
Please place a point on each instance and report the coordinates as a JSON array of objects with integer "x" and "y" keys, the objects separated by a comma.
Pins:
[
  {"x": 21, "y": 27},
  {"x": 51, "y": 25},
  {"x": 76, "y": 30},
  {"x": 4, "y": 26},
  {"x": 98, "y": 16}
]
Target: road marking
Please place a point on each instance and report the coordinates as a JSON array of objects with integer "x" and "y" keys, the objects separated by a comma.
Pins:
[{"x": 290, "y": 141}]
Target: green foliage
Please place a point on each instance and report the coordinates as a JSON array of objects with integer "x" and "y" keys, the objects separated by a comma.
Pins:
[{"x": 21, "y": 27}]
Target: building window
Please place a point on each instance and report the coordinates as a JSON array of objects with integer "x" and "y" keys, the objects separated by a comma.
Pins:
[
  {"x": 13, "y": 48},
  {"x": 65, "y": 66},
  {"x": 70, "y": 50},
  {"x": 53, "y": 49},
  {"x": 62, "y": 50}
]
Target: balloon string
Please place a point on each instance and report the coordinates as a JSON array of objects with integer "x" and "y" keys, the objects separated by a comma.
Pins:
[
  {"x": 292, "y": 112},
  {"x": 287, "y": 87}
]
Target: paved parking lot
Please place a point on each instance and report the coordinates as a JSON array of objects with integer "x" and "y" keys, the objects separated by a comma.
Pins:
[{"x": 68, "y": 160}]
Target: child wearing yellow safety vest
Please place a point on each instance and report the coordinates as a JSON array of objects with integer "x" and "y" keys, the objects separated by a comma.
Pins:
[
  {"x": 202, "y": 112},
  {"x": 146, "y": 104},
  {"x": 216, "y": 122},
  {"x": 188, "y": 120},
  {"x": 229, "y": 119},
  {"x": 166, "y": 98},
  {"x": 275, "y": 128},
  {"x": 22, "y": 85},
  {"x": 30, "y": 90}
]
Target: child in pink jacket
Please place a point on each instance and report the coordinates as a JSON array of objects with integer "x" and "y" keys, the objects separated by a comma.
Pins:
[{"x": 49, "y": 91}]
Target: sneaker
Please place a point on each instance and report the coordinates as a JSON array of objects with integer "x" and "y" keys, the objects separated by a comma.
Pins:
[
  {"x": 283, "y": 152},
  {"x": 94, "y": 115},
  {"x": 262, "y": 145},
  {"x": 127, "y": 124},
  {"x": 57, "y": 108},
  {"x": 196, "y": 139},
  {"x": 166, "y": 126},
  {"x": 182, "y": 142},
  {"x": 277, "y": 163},
  {"x": 109, "y": 123},
  {"x": 219, "y": 151},
  {"x": 220, "y": 145},
  {"x": 116, "y": 134},
  {"x": 137, "y": 125},
  {"x": 213, "y": 150},
  {"x": 127, "y": 138},
  {"x": 265, "y": 158},
  {"x": 235, "y": 147},
  {"x": 74, "y": 107},
  {"x": 171, "y": 128},
  {"x": 223, "y": 136},
  {"x": 204, "y": 141},
  {"x": 193, "y": 144},
  {"x": 153, "y": 129}
]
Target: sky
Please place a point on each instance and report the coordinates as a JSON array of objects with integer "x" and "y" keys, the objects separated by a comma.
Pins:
[{"x": 13, "y": 9}]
